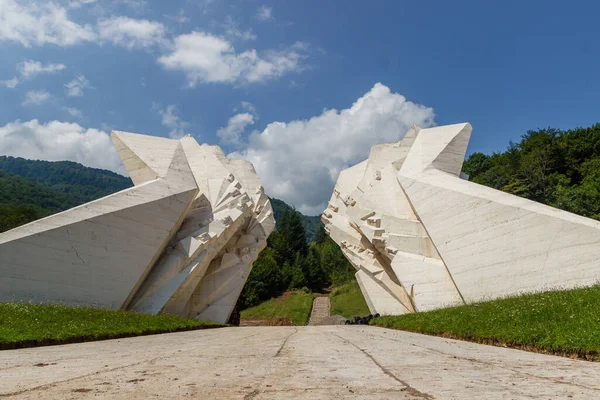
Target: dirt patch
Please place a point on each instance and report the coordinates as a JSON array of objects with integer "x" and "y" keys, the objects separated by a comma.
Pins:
[
  {"x": 283, "y": 297},
  {"x": 267, "y": 322}
]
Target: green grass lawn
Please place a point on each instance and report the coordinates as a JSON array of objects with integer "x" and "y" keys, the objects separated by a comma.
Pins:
[
  {"x": 348, "y": 301},
  {"x": 561, "y": 322},
  {"x": 24, "y": 325},
  {"x": 296, "y": 306}
]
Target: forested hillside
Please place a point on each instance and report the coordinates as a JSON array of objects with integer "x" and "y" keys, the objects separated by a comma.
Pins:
[
  {"x": 311, "y": 224},
  {"x": 31, "y": 189},
  {"x": 291, "y": 262},
  {"x": 554, "y": 167},
  {"x": 81, "y": 184},
  {"x": 23, "y": 201}
]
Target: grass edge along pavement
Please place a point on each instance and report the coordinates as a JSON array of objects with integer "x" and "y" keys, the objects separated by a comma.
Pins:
[
  {"x": 559, "y": 322},
  {"x": 348, "y": 301},
  {"x": 30, "y": 325},
  {"x": 295, "y": 305}
]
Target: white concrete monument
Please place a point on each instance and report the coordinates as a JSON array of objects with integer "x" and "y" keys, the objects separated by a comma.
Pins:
[
  {"x": 181, "y": 241},
  {"x": 421, "y": 237}
]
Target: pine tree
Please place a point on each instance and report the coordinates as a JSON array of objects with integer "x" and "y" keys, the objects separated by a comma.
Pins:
[
  {"x": 321, "y": 235},
  {"x": 316, "y": 275},
  {"x": 290, "y": 238},
  {"x": 298, "y": 277}
]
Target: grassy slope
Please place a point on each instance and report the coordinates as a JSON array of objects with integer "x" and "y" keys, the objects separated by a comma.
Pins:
[
  {"x": 561, "y": 322},
  {"x": 296, "y": 307},
  {"x": 24, "y": 325},
  {"x": 348, "y": 301}
]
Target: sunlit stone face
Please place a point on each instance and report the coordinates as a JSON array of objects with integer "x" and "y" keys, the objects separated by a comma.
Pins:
[
  {"x": 421, "y": 237},
  {"x": 181, "y": 241}
]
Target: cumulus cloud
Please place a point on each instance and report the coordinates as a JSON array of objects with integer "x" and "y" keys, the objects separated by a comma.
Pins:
[
  {"x": 264, "y": 13},
  {"x": 231, "y": 134},
  {"x": 171, "y": 120},
  {"x": 76, "y": 87},
  {"x": 300, "y": 161},
  {"x": 10, "y": 83},
  {"x": 35, "y": 97},
  {"x": 39, "y": 23},
  {"x": 207, "y": 58},
  {"x": 131, "y": 33},
  {"x": 29, "y": 69},
  {"x": 57, "y": 141}
]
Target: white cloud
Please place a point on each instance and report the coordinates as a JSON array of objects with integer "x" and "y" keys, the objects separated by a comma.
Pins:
[
  {"x": 58, "y": 141},
  {"x": 35, "y": 97},
  {"x": 39, "y": 23},
  {"x": 171, "y": 120},
  {"x": 29, "y": 69},
  {"x": 300, "y": 161},
  {"x": 79, "y": 3},
  {"x": 131, "y": 33},
  {"x": 76, "y": 87},
  {"x": 264, "y": 13},
  {"x": 10, "y": 83},
  {"x": 231, "y": 134},
  {"x": 207, "y": 58},
  {"x": 74, "y": 112},
  {"x": 246, "y": 105},
  {"x": 232, "y": 30}
]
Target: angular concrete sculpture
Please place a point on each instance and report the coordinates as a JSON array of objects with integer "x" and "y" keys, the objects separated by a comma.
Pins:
[
  {"x": 421, "y": 237},
  {"x": 181, "y": 241}
]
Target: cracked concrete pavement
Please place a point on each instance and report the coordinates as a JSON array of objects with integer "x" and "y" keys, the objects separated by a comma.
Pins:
[{"x": 286, "y": 362}]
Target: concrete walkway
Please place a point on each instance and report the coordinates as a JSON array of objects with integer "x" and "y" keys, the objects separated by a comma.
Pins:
[
  {"x": 312, "y": 362},
  {"x": 320, "y": 311}
]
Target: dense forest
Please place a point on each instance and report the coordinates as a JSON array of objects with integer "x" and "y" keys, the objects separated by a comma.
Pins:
[
  {"x": 23, "y": 201},
  {"x": 551, "y": 166},
  {"x": 31, "y": 189},
  {"x": 291, "y": 262},
  {"x": 311, "y": 224},
  {"x": 81, "y": 184}
]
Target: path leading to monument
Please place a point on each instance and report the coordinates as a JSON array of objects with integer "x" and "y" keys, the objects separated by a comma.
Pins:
[
  {"x": 288, "y": 362},
  {"x": 320, "y": 311}
]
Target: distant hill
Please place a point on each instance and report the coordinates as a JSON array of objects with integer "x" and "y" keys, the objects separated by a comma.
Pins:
[
  {"x": 31, "y": 189},
  {"x": 17, "y": 191},
  {"x": 311, "y": 224},
  {"x": 81, "y": 184}
]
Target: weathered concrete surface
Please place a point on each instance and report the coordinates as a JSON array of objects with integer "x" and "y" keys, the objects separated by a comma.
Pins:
[{"x": 334, "y": 362}]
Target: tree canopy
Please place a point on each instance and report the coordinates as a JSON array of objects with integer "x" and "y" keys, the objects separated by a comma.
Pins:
[{"x": 550, "y": 166}]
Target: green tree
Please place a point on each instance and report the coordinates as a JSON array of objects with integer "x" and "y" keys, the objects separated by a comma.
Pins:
[
  {"x": 316, "y": 276},
  {"x": 298, "y": 278},
  {"x": 266, "y": 280},
  {"x": 290, "y": 238},
  {"x": 321, "y": 235}
]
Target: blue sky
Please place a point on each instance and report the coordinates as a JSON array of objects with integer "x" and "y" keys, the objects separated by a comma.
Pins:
[{"x": 302, "y": 89}]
